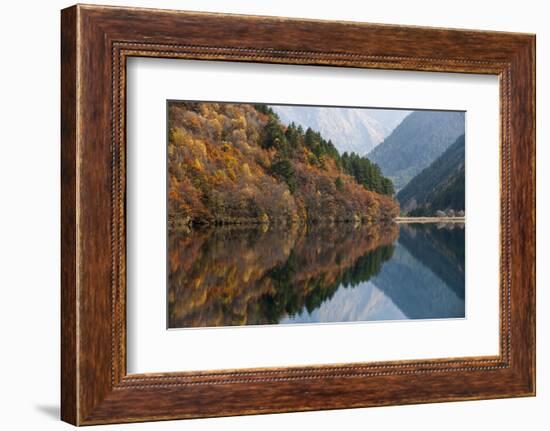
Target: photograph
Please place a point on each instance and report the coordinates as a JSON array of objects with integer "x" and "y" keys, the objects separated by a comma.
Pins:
[
  {"x": 275, "y": 210},
  {"x": 298, "y": 214}
]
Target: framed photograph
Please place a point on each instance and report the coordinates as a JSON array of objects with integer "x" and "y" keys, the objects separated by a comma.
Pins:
[{"x": 263, "y": 214}]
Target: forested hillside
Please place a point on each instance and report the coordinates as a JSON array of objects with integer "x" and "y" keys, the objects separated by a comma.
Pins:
[
  {"x": 237, "y": 163},
  {"x": 416, "y": 143},
  {"x": 439, "y": 187}
]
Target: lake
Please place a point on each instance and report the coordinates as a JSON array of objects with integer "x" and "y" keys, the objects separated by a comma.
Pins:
[{"x": 259, "y": 275}]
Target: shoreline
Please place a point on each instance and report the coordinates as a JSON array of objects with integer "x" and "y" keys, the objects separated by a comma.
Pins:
[
  {"x": 429, "y": 219},
  {"x": 258, "y": 223}
]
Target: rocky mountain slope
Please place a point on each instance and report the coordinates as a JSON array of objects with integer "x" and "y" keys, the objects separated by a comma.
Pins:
[
  {"x": 439, "y": 187},
  {"x": 420, "y": 138}
]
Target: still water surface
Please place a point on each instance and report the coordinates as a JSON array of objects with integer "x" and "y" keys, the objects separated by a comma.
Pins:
[{"x": 228, "y": 276}]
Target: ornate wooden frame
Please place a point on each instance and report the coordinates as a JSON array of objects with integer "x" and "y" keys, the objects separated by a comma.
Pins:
[{"x": 95, "y": 43}]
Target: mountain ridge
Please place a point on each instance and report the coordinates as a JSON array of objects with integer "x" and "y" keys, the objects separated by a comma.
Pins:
[
  {"x": 415, "y": 143},
  {"x": 440, "y": 186}
]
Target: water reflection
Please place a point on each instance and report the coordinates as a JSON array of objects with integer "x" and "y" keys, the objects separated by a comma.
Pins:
[{"x": 228, "y": 276}]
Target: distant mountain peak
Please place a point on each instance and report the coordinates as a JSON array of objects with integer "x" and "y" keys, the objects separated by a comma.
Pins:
[{"x": 356, "y": 130}]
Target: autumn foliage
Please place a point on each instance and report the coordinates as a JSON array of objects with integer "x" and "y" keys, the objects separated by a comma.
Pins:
[{"x": 236, "y": 163}]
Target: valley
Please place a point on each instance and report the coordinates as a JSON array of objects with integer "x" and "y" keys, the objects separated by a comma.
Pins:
[{"x": 281, "y": 214}]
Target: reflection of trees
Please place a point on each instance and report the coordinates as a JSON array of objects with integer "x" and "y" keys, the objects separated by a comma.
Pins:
[
  {"x": 293, "y": 293},
  {"x": 248, "y": 275}
]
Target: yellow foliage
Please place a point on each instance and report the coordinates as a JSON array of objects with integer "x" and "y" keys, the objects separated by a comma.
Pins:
[
  {"x": 245, "y": 169},
  {"x": 179, "y": 137},
  {"x": 197, "y": 164},
  {"x": 219, "y": 177},
  {"x": 239, "y": 122}
]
